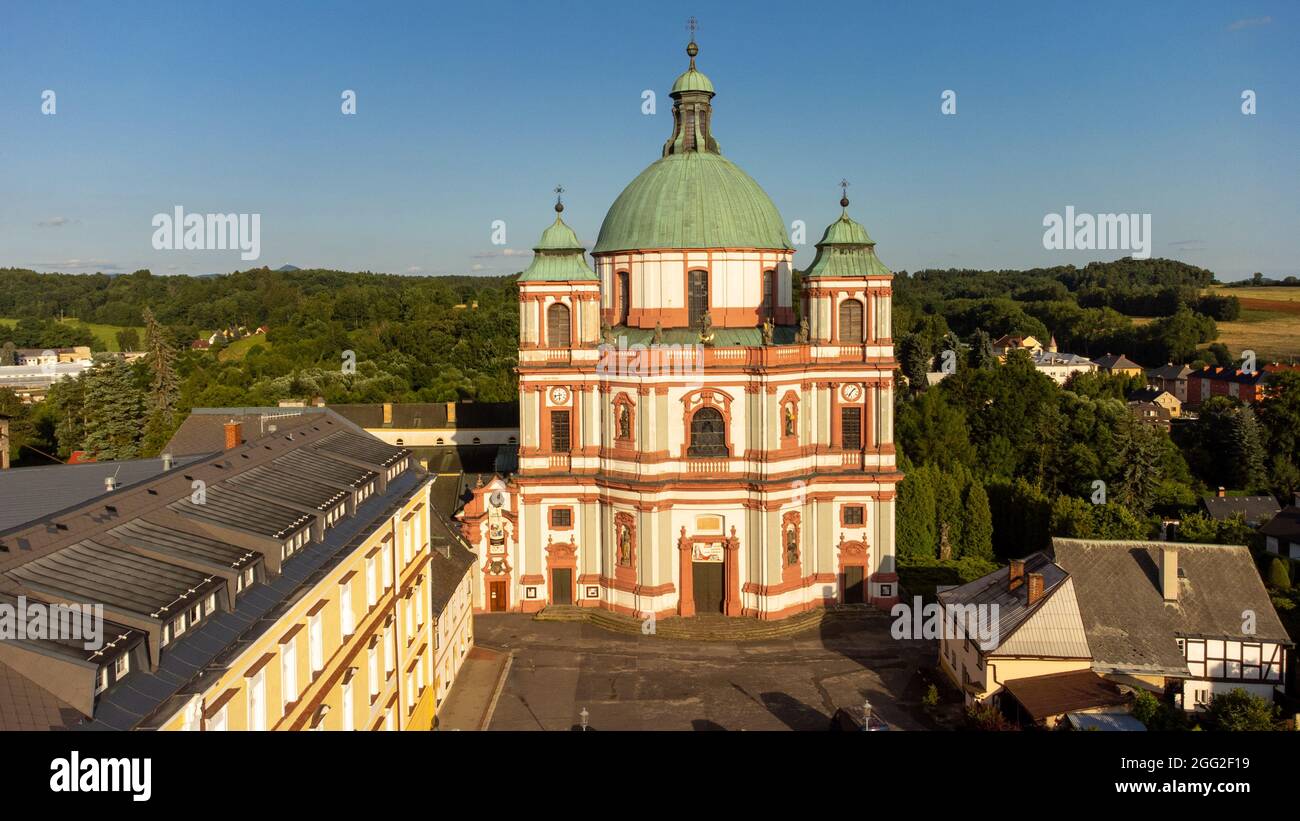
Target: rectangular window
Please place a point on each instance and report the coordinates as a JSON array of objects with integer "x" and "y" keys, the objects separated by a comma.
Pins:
[
  {"x": 561, "y": 517},
  {"x": 257, "y": 701},
  {"x": 316, "y": 643},
  {"x": 372, "y": 583},
  {"x": 121, "y": 666},
  {"x": 389, "y": 661},
  {"x": 372, "y": 669},
  {"x": 853, "y": 515},
  {"x": 218, "y": 722},
  {"x": 388, "y": 565},
  {"x": 560, "y": 431},
  {"x": 851, "y": 428},
  {"x": 289, "y": 671},
  {"x": 346, "y": 619},
  {"x": 348, "y": 707}
]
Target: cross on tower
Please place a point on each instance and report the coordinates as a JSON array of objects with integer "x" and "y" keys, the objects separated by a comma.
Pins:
[
  {"x": 559, "y": 200},
  {"x": 844, "y": 195},
  {"x": 692, "y": 25}
]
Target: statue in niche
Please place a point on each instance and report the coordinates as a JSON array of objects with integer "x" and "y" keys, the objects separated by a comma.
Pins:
[
  {"x": 791, "y": 547},
  {"x": 625, "y": 546},
  {"x": 789, "y": 420},
  {"x": 624, "y": 422}
]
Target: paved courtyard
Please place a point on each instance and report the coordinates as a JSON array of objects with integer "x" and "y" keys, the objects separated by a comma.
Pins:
[{"x": 647, "y": 683}]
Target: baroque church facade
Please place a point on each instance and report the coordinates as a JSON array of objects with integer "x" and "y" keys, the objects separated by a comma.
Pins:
[{"x": 692, "y": 438}]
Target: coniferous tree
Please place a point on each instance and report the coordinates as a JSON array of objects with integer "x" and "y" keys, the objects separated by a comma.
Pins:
[
  {"x": 916, "y": 516},
  {"x": 1246, "y": 448},
  {"x": 163, "y": 389},
  {"x": 977, "y": 530},
  {"x": 114, "y": 411}
]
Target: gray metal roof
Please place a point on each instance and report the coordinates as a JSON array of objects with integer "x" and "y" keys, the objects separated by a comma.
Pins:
[
  {"x": 1255, "y": 509},
  {"x": 1129, "y": 625},
  {"x": 27, "y": 494}
]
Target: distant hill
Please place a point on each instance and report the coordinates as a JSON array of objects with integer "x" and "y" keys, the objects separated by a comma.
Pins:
[{"x": 285, "y": 268}]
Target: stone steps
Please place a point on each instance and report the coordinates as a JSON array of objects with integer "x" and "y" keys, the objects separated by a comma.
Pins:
[{"x": 709, "y": 628}]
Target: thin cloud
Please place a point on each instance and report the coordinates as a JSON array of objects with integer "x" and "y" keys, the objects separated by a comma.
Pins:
[
  {"x": 504, "y": 252},
  {"x": 1249, "y": 23},
  {"x": 1189, "y": 244},
  {"x": 80, "y": 264},
  {"x": 56, "y": 222}
]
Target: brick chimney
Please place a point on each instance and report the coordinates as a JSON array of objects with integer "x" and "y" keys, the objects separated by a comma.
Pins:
[
  {"x": 1034, "y": 589},
  {"x": 1169, "y": 572},
  {"x": 388, "y": 414},
  {"x": 451, "y": 414},
  {"x": 1016, "y": 576},
  {"x": 234, "y": 434}
]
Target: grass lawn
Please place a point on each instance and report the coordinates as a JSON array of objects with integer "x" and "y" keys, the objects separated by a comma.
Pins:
[
  {"x": 238, "y": 349},
  {"x": 105, "y": 335},
  {"x": 1269, "y": 323}
]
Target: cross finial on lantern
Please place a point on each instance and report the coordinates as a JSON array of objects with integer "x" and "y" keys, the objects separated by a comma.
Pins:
[
  {"x": 559, "y": 199},
  {"x": 844, "y": 196}
]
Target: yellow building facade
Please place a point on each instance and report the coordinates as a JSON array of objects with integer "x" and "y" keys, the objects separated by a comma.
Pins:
[{"x": 354, "y": 652}]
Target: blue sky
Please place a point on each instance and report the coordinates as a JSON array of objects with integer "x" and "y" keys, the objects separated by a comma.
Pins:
[{"x": 471, "y": 113}]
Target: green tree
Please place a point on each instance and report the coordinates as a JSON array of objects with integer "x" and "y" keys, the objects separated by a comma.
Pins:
[
  {"x": 128, "y": 339},
  {"x": 1279, "y": 574},
  {"x": 977, "y": 534},
  {"x": 916, "y": 534},
  {"x": 1239, "y": 711},
  {"x": 114, "y": 411},
  {"x": 164, "y": 390}
]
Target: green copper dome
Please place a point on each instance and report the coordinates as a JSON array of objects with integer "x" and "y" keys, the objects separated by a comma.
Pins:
[
  {"x": 692, "y": 200},
  {"x": 693, "y": 197},
  {"x": 558, "y": 257},
  {"x": 692, "y": 80},
  {"x": 846, "y": 250}
]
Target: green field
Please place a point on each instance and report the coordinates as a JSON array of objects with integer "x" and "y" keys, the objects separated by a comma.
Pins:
[
  {"x": 105, "y": 335},
  {"x": 238, "y": 349},
  {"x": 1269, "y": 323}
]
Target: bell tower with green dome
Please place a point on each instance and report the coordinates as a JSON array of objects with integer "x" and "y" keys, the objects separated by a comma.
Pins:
[{"x": 689, "y": 444}]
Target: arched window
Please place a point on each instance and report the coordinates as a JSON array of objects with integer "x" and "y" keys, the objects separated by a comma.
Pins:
[
  {"x": 851, "y": 322},
  {"x": 624, "y": 298},
  {"x": 769, "y": 294},
  {"x": 557, "y": 325},
  {"x": 697, "y": 296},
  {"x": 708, "y": 433}
]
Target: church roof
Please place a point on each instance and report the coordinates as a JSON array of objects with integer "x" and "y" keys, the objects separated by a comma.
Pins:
[
  {"x": 846, "y": 250},
  {"x": 558, "y": 256},
  {"x": 693, "y": 197}
]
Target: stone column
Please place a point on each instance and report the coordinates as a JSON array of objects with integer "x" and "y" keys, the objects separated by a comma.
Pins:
[
  {"x": 731, "y": 574},
  {"x": 686, "y": 593}
]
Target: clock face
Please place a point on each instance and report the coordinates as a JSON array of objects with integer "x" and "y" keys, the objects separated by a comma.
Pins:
[
  {"x": 852, "y": 392},
  {"x": 559, "y": 395}
]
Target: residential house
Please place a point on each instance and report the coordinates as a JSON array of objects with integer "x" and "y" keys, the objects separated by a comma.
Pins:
[
  {"x": 1162, "y": 616},
  {"x": 1250, "y": 387},
  {"x": 1149, "y": 413},
  {"x": 1172, "y": 378},
  {"x": 1282, "y": 532},
  {"x": 1118, "y": 364},
  {"x": 1059, "y": 367},
  {"x": 1005, "y": 344},
  {"x": 1256, "y": 510},
  {"x": 1157, "y": 396}
]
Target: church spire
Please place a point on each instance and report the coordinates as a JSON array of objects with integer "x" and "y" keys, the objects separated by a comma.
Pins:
[{"x": 692, "y": 110}]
